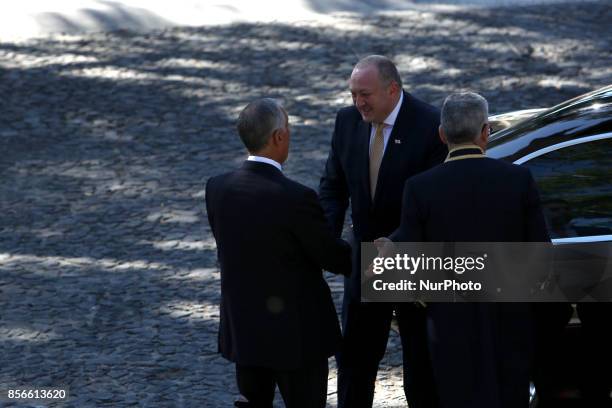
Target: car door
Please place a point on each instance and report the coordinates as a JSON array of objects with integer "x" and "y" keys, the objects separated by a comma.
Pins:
[{"x": 575, "y": 183}]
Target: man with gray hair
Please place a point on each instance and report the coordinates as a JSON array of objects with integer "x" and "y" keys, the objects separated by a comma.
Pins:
[
  {"x": 277, "y": 319},
  {"x": 481, "y": 353},
  {"x": 384, "y": 138},
  {"x": 465, "y": 115}
]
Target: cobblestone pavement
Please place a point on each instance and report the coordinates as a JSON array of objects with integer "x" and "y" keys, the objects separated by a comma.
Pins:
[{"x": 108, "y": 278}]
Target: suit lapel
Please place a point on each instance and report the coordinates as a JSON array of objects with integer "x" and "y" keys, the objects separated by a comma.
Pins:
[
  {"x": 396, "y": 146},
  {"x": 363, "y": 136}
]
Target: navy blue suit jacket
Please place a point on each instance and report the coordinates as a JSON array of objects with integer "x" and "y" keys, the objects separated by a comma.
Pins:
[
  {"x": 413, "y": 147},
  {"x": 273, "y": 242}
]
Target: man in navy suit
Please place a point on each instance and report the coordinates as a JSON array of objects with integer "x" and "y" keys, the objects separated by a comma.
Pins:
[
  {"x": 481, "y": 352},
  {"x": 386, "y": 137},
  {"x": 278, "y": 321}
]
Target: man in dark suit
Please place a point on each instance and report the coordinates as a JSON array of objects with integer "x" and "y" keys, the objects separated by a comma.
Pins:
[
  {"x": 278, "y": 321},
  {"x": 386, "y": 137},
  {"x": 481, "y": 352}
]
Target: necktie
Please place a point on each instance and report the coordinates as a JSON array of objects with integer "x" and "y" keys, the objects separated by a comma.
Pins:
[{"x": 376, "y": 154}]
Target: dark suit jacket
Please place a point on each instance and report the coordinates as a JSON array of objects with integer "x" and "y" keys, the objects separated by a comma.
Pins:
[
  {"x": 273, "y": 241},
  {"x": 472, "y": 200},
  {"x": 413, "y": 147},
  {"x": 480, "y": 351}
]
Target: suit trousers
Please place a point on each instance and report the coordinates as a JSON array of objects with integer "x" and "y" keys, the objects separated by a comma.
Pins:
[
  {"x": 301, "y": 388},
  {"x": 366, "y": 332}
]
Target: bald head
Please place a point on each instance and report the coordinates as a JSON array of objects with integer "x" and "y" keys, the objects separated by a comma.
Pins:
[
  {"x": 385, "y": 68},
  {"x": 375, "y": 87}
]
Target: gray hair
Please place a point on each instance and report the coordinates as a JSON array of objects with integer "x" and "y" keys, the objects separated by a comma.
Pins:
[
  {"x": 257, "y": 121},
  {"x": 463, "y": 116},
  {"x": 387, "y": 71}
]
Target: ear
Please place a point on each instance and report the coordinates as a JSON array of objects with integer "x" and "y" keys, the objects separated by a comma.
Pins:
[
  {"x": 277, "y": 137},
  {"x": 484, "y": 136},
  {"x": 442, "y": 135},
  {"x": 394, "y": 88}
]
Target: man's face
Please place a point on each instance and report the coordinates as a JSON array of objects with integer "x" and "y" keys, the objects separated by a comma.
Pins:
[{"x": 373, "y": 100}]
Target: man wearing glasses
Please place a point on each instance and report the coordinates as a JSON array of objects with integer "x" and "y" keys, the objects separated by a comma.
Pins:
[{"x": 481, "y": 352}]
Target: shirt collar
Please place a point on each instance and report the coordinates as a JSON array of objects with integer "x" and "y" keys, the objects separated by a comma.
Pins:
[
  {"x": 390, "y": 120},
  {"x": 261, "y": 159}
]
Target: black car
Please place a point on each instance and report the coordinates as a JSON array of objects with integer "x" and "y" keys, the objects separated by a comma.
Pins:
[{"x": 568, "y": 149}]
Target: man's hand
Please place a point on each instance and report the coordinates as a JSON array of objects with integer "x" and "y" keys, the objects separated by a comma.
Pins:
[{"x": 385, "y": 247}]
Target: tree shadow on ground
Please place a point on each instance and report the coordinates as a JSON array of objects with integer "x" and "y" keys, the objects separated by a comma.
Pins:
[
  {"x": 112, "y": 16},
  {"x": 107, "y": 265}
]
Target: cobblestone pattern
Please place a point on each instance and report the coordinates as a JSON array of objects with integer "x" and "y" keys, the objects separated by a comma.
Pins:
[{"x": 108, "y": 277}]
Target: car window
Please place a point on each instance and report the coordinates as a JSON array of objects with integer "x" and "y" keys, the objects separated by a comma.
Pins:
[{"x": 575, "y": 185}]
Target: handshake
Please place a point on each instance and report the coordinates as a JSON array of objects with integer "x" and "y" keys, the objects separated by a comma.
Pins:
[{"x": 385, "y": 247}]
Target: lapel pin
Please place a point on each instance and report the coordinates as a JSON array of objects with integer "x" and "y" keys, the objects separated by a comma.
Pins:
[{"x": 397, "y": 141}]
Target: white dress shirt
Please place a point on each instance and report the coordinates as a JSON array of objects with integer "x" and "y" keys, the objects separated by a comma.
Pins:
[
  {"x": 389, "y": 122},
  {"x": 265, "y": 160}
]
